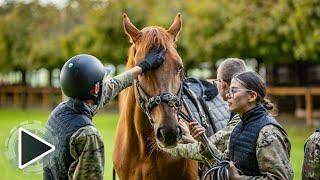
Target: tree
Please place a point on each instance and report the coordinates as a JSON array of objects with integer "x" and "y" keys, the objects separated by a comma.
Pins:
[
  {"x": 305, "y": 23},
  {"x": 37, "y": 36},
  {"x": 28, "y": 27}
]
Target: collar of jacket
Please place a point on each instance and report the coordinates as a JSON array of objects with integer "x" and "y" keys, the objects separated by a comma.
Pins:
[
  {"x": 232, "y": 114},
  {"x": 253, "y": 114},
  {"x": 80, "y": 106}
]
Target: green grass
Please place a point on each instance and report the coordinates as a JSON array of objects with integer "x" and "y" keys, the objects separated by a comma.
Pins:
[
  {"x": 11, "y": 118},
  {"x": 106, "y": 124},
  {"x": 298, "y": 136}
]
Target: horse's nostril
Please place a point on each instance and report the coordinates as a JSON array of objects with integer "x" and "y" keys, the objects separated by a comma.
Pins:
[
  {"x": 160, "y": 134},
  {"x": 169, "y": 136}
]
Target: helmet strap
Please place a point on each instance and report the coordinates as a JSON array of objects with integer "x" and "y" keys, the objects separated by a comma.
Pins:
[{"x": 97, "y": 98}]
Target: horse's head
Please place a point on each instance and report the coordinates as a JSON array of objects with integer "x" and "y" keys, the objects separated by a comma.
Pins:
[{"x": 163, "y": 84}]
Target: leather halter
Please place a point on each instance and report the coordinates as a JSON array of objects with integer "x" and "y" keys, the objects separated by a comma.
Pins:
[{"x": 148, "y": 103}]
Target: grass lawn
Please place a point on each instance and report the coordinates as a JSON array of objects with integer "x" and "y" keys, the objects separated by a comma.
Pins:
[{"x": 106, "y": 124}]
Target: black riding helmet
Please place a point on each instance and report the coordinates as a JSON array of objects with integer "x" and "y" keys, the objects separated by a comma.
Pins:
[{"x": 79, "y": 74}]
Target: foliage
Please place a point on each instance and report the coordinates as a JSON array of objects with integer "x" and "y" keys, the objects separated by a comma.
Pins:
[{"x": 37, "y": 35}]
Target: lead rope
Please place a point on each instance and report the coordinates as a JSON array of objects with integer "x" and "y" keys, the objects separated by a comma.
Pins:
[
  {"x": 203, "y": 137},
  {"x": 220, "y": 171}
]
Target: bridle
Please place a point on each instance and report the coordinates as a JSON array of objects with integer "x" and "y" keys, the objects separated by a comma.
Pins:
[{"x": 148, "y": 103}]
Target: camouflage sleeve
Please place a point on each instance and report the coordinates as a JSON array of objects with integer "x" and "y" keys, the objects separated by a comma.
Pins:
[
  {"x": 87, "y": 148},
  {"x": 188, "y": 151},
  {"x": 219, "y": 143},
  {"x": 194, "y": 151},
  {"x": 311, "y": 163},
  {"x": 112, "y": 86},
  {"x": 273, "y": 154}
]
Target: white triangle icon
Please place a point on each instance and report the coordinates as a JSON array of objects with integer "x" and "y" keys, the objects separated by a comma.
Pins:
[{"x": 27, "y": 154}]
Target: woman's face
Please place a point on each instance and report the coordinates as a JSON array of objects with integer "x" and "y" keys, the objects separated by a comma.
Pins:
[{"x": 239, "y": 97}]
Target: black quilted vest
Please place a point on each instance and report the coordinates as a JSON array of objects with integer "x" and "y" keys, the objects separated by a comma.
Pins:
[
  {"x": 244, "y": 137},
  {"x": 65, "y": 120}
]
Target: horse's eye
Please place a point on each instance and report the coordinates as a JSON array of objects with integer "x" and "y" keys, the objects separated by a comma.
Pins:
[
  {"x": 134, "y": 51},
  {"x": 180, "y": 68}
]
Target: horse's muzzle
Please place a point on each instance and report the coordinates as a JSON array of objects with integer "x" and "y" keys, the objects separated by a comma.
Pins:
[{"x": 169, "y": 136}]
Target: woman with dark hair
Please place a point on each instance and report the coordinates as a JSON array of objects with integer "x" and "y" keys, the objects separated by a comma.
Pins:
[{"x": 259, "y": 146}]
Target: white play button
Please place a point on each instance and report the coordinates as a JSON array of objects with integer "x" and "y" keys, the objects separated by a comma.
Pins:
[{"x": 31, "y": 148}]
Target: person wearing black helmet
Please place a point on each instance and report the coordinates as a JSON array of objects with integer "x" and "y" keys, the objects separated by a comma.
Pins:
[{"x": 79, "y": 149}]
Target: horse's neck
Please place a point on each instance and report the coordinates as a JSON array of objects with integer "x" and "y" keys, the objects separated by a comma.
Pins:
[{"x": 137, "y": 126}]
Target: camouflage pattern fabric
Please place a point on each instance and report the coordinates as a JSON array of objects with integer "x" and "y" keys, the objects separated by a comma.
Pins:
[
  {"x": 311, "y": 163},
  {"x": 86, "y": 147}
]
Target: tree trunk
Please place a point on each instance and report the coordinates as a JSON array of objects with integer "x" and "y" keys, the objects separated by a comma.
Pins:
[
  {"x": 213, "y": 70},
  {"x": 24, "y": 84},
  {"x": 50, "y": 77},
  {"x": 24, "y": 77},
  {"x": 258, "y": 64}
]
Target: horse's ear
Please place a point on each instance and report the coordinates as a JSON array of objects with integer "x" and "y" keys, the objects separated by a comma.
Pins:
[
  {"x": 176, "y": 26},
  {"x": 130, "y": 29}
]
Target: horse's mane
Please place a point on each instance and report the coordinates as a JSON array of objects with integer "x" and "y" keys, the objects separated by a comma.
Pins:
[{"x": 153, "y": 36}]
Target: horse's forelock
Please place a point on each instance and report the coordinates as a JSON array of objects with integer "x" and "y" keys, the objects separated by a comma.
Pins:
[{"x": 152, "y": 37}]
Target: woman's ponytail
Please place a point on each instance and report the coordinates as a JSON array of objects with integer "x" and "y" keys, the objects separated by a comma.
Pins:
[{"x": 267, "y": 104}]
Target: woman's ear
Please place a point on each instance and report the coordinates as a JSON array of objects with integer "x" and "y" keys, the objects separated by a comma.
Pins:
[{"x": 253, "y": 96}]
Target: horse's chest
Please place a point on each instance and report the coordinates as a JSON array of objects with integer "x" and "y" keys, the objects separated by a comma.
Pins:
[{"x": 161, "y": 169}]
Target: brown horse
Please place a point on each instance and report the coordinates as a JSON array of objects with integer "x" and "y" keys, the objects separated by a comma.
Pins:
[{"x": 136, "y": 154}]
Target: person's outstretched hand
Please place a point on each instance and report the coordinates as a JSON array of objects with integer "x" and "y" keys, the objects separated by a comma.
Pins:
[{"x": 153, "y": 59}]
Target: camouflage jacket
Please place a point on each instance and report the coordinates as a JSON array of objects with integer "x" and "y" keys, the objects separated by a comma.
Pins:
[
  {"x": 311, "y": 163},
  {"x": 219, "y": 139},
  {"x": 273, "y": 154},
  {"x": 86, "y": 145}
]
